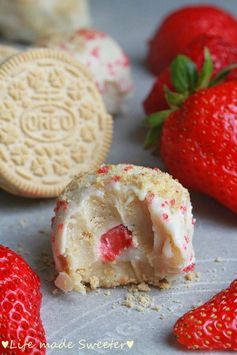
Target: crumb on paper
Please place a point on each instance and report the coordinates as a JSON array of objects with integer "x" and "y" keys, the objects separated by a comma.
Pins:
[
  {"x": 218, "y": 259},
  {"x": 143, "y": 287},
  {"x": 23, "y": 222},
  {"x": 156, "y": 308},
  {"x": 193, "y": 275},
  {"x": 107, "y": 293},
  {"x": 164, "y": 284},
  {"x": 139, "y": 301},
  {"x": 145, "y": 300},
  {"x": 129, "y": 301},
  {"x": 55, "y": 291},
  {"x": 140, "y": 308}
]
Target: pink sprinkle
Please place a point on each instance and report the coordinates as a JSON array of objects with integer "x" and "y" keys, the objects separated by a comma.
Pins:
[
  {"x": 183, "y": 209},
  {"x": 165, "y": 216},
  {"x": 184, "y": 247},
  {"x": 190, "y": 267},
  {"x": 156, "y": 169},
  {"x": 125, "y": 61},
  {"x": 103, "y": 170},
  {"x": 63, "y": 204},
  {"x": 95, "y": 52},
  {"x": 172, "y": 202},
  {"x": 194, "y": 221},
  {"x": 150, "y": 197},
  {"x": 116, "y": 178},
  {"x": 90, "y": 34},
  {"x": 128, "y": 167},
  {"x": 187, "y": 239},
  {"x": 60, "y": 226},
  {"x": 111, "y": 69},
  {"x": 163, "y": 204},
  {"x": 191, "y": 257}
]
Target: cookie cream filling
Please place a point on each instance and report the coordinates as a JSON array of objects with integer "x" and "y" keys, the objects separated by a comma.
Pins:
[{"x": 161, "y": 246}]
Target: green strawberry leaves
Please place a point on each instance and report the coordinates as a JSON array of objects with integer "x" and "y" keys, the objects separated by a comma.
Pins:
[
  {"x": 174, "y": 99},
  {"x": 186, "y": 80},
  {"x": 184, "y": 74},
  {"x": 220, "y": 77},
  {"x": 206, "y": 71},
  {"x": 157, "y": 119},
  {"x": 152, "y": 137}
]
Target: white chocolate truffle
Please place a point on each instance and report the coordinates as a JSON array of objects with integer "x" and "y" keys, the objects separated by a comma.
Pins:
[
  {"x": 106, "y": 60},
  {"x": 29, "y": 20},
  {"x": 123, "y": 224}
]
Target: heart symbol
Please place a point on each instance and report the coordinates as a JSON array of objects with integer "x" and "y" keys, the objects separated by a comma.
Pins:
[
  {"x": 130, "y": 343},
  {"x": 5, "y": 344}
]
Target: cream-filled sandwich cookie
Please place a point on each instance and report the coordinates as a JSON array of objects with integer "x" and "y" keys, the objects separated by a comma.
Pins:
[
  {"x": 119, "y": 225},
  {"x": 53, "y": 123},
  {"x": 29, "y": 20},
  {"x": 106, "y": 60}
]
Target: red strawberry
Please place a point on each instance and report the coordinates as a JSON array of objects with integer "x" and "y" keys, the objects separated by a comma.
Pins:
[
  {"x": 198, "y": 141},
  {"x": 222, "y": 55},
  {"x": 182, "y": 26},
  {"x": 20, "y": 301},
  {"x": 212, "y": 326},
  {"x": 114, "y": 241}
]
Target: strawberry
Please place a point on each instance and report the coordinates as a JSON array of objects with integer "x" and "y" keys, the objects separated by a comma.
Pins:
[
  {"x": 198, "y": 140},
  {"x": 212, "y": 326},
  {"x": 182, "y": 26},
  {"x": 222, "y": 55},
  {"x": 114, "y": 241},
  {"x": 20, "y": 301}
]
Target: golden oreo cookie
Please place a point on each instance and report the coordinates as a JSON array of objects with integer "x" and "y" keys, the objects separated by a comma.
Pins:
[{"x": 53, "y": 123}]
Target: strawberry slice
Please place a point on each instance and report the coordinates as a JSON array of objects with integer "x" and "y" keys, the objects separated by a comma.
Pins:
[
  {"x": 212, "y": 326},
  {"x": 113, "y": 242},
  {"x": 21, "y": 329}
]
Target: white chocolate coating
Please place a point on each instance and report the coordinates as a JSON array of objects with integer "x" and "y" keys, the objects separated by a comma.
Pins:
[
  {"x": 29, "y": 20},
  {"x": 106, "y": 61},
  {"x": 153, "y": 206}
]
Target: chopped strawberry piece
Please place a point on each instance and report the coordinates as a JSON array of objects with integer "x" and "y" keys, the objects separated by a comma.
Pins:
[
  {"x": 189, "y": 268},
  {"x": 103, "y": 169},
  {"x": 113, "y": 242}
]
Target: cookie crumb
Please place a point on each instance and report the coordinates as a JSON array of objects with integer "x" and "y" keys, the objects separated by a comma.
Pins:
[
  {"x": 23, "y": 222},
  {"x": 164, "y": 284},
  {"x": 55, "y": 291},
  {"x": 144, "y": 300},
  {"x": 143, "y": 287},
  {"x": 218, "y": 259},
  {"x": 107, "y": 293},
  {"x": 156, "y": 308},
  {"x": 191, "y": 276},
  {"x": 94, "y": 282},
  {"x": 129, "y": 301}
]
